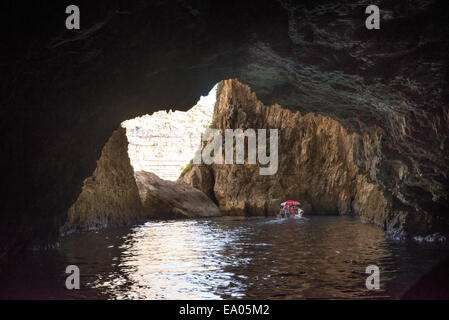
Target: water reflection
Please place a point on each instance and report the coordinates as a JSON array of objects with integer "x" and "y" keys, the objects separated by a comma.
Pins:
[
  {"x": 172, "y": 260},
  {"x": 224, "y": 258}
]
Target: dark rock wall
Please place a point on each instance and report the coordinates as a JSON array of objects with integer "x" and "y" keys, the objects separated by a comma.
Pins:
[
  {"x": 64, "y": 92},
  {"x": 393, "y": 81}
]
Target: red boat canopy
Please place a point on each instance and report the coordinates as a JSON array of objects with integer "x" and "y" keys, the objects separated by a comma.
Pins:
[{"x": 290, "y": 203}]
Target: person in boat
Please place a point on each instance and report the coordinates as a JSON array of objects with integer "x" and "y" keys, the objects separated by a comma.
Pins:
[
  {"x": 291, "y": 211},
  {"x": 286, "y": 211},
  {"x": 281, "y": 212}
]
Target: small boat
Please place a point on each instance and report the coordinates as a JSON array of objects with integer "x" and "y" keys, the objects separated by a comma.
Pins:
[{"x": 290, "y": 209}]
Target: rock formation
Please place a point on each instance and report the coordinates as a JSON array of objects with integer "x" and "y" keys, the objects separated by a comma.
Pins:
[
  {"x": 200, "y": 177},
  {"x": 321, "y": 163},
  {"x": 111, "y": 196},
  {"x": 169, "y": 199}
]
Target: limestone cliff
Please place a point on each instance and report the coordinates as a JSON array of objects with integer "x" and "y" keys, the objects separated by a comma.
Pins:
[
  {"x": 164, "y": 142},
  {"x": 321, "y": 163}
]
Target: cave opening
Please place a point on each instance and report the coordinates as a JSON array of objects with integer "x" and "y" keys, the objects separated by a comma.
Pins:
[
  {"x": 137, "y": 177},
  {"x": 147, "y": 168}
]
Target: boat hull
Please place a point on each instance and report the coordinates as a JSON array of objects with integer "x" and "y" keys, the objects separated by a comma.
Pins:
[{"x": 292, "y": 216}]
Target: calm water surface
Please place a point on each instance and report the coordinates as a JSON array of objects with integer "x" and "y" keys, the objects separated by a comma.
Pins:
[{"x": 224, "y": 258}]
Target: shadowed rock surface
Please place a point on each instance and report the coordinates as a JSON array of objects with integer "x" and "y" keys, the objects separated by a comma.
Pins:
[
  {"x": 200, "y": 177},
  {"x": 64, "y": 92},
  {"x": 110, "y": 196},
  {"x": 171, "y": 199}
]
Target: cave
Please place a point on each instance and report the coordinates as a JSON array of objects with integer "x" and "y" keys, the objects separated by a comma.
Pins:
[{"x": 365, "y": 110}]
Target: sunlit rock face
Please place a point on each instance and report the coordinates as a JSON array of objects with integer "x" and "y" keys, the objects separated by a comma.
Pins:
[
  {"x": 316, "y": 157},
  {"x": 165, "y": 142}
]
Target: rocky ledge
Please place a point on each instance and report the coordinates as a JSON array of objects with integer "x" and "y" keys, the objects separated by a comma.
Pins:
[{"x": 171, "y": 199}]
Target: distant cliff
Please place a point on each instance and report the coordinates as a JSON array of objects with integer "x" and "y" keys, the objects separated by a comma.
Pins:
[{"x": 164, "y": 142}]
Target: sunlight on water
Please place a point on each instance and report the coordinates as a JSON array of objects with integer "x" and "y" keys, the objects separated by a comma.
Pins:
[
  {"x": 225, "y": 258},
  {"x": 233, "y": 258},
  {"x": 175, "y": 260}
]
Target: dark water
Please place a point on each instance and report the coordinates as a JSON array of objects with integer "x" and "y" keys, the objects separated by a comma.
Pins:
[{"x": 224, "y": 258}]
